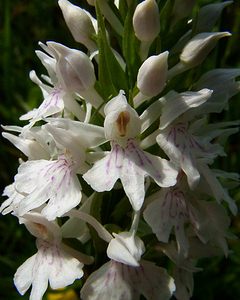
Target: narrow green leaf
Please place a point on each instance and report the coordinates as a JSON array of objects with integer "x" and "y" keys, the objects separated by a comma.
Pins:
[
  {"x": 130, "y": 46},
  {"x": 111, "y": 75}
]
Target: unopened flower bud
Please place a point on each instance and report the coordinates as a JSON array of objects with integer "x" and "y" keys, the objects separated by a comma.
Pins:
[
  {"x": 79, "y": 23},
  {"x": 199, "y": 47},
  {"x": 152, "y": 74},
  {"x": 146, "y": 21},
  {"x": 74, "y": 67}
]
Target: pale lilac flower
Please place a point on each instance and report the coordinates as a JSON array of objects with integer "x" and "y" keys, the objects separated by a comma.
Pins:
[
  {"x": 53, "y": 263},
  {"x": 126, "y": 160}
]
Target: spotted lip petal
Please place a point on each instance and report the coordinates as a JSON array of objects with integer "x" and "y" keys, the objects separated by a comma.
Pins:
[
  {"x": 184, "y": 149},
  {"x": 51, "y": 105},
  {"x": 43, "y": 180},
  {"x": 131, "y": 165},
  {"x": 118, "y": 281},
  {"x": 51, "y": 264},
  {"x": 168, "y": 210}
]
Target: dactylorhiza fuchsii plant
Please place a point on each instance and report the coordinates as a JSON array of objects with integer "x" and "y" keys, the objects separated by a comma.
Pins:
[{"x": 119, "y": 154}]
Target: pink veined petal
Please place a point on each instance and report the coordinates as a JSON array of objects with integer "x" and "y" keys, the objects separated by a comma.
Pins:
[
  {"x": 132, "y": 178},
  {"x": 157, "y": 216},
  {"x": 64, "y": 269},
  {"x": 51, "y": 105},
  {"x": 48, "y": 180},
  {"x": 107, "y": 283},
  {"x": 29, "y": 175},
  {"x": 167, "y": 211},
  {"x": 161, "y": 170},
  {"x": 105, "y": 172},
  {"x": 120, "y": 282},
  {"x": 152, "y": 281},
  {"x": 51, "y": 264},
  {"x": 67, "y": 196},
  {"x": 183, "y": 149}
]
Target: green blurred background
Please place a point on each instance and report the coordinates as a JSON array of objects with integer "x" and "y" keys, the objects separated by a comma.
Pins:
[{"x": 22, "y": 24}]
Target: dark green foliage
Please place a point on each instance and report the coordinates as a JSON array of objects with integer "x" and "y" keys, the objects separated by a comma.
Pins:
[{"x": 23, "y": 24}]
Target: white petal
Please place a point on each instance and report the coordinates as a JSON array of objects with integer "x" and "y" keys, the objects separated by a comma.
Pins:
[
  {"x": 24, "y": 275},
  {"x": 126, "y": 248},
  {"x": 86, "y": 134},
  {"x": 32, "y": 149},
  {"x": 46, "y": 231},
  {"x": 150, "y": 114},
  {"x": 157, "y": 216},
  {"x": 161, "y": 170},
  {"x": 182, "y": 148},
  {"x": 107, "y": 283},
  {"x": 49, "y": 263},
  {"x": 132, "y": 178},
  {"x": 221, "y": 92},
  {"x": 120, "y": 253},
  {"x": 118, "y": 281},
  {"x": 177, "y": 104},
  {"x": 48, "y": 180},
  {"x": 64, "y": 270},
  {"x": 189, "y": 166},
  {"x": 105, "y": 172},
  {"x": 119, "y": 112},
  {"x": 167, "y": 211},
  {"x": 51, "y": 105},
  {"x": 11, "y": 204},
  {"x": 152, "y": 281}
]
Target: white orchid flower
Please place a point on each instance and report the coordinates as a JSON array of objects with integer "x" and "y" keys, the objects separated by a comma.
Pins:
[
  {"x": 125, "y": 276},
  {"x": 54, "y": 181},
  {"x": 54, "y": 262},
  {"x": 126, "y": 160}
]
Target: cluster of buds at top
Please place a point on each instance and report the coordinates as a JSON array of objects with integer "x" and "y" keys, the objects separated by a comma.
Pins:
[{"x": 117, "y": 147}]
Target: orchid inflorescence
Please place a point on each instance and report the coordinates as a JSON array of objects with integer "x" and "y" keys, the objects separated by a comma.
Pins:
[{"x": 119, "y": 154}]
